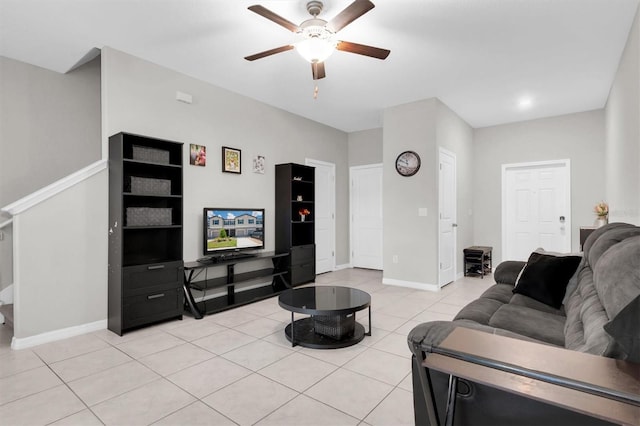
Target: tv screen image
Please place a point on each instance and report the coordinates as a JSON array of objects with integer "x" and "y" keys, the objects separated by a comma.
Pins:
[{"x": 233, "y": 229}]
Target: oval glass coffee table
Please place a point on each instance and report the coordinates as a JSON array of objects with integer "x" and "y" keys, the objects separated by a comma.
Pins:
[{"x": 332, "y": 322}]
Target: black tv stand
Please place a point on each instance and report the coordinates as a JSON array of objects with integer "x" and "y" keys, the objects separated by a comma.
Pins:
[
  {"x": 219, "y": 258},
  {"x": 193, "y": 270}
]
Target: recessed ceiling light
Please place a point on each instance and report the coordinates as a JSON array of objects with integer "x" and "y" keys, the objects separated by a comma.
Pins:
[{"x": 525, "y": 102}]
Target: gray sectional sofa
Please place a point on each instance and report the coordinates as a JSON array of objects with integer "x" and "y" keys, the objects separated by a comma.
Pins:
[{"x": 599, "y": 313}]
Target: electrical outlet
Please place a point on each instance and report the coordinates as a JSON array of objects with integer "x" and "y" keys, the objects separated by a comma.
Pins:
[{"x": 395, "y": 258}]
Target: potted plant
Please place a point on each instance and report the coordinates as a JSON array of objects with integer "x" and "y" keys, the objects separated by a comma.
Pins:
[
  {"x": 303, "y": 212},
  {"x": 602, "y": 212}
]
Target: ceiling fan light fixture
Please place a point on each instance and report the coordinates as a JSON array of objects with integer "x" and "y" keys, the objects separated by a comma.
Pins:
[
  {"x": 315, "y": 49},
  {"x": 317, "y": 42}
]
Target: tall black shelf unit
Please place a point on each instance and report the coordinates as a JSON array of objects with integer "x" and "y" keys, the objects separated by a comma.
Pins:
[
  {"x": 146, "y": 270},
  {"x": 295, "y": 190}
]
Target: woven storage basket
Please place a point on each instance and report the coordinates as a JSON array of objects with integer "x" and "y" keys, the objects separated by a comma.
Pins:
[
  {"x": 148, "y": 186},
  {"x": 148, "y": 216},
  {"x": 336, "y": 327},
  {"x": 152, "y": 155}
]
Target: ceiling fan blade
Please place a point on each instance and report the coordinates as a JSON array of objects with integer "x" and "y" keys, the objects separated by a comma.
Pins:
[
  {"x": 269, "y": 52},
  {"x": 350, "y": 14},
  {"x": 266, "y": 13},
  {"x": 363, "y": 49},
  {"x": 317, "y": 68}
]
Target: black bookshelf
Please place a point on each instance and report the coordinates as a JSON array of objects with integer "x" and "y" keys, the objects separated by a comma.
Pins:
[
  {"x": 145, "y": 231},
  {"x": 295, "y": 234}
]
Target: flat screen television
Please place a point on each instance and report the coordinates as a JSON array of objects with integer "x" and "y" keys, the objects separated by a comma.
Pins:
[{"x": 232, "y": 229}]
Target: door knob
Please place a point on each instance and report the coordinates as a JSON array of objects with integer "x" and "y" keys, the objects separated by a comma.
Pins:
[{"x": 454, "y": 225}]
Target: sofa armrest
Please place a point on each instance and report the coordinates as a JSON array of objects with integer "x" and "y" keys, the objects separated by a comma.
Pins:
[
  {"x": 599, "y": 387},
  {"x": 507, "y": 272}
]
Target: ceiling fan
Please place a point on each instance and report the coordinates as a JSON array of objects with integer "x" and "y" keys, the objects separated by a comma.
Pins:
[{"x": 317, "y": 36}]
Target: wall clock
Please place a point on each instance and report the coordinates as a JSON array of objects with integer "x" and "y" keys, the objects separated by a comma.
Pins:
[{"x": 408, "y": 163}]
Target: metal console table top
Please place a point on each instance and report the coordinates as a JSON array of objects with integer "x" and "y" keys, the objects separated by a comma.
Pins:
[{"x": 323, "y": 301}]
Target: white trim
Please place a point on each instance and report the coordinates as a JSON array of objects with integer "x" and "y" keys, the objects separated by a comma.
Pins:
[
  {"x": 49, "y": 191},
  {"x": 566, "y": 162},
  {"x": 52, "y": 336},
  {"x": 343, "y": 266},
  {"x": 5, "y": 223},
  {"x": 411, "y": 284}
]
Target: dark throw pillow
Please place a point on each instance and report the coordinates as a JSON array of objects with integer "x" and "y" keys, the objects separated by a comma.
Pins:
[
  {"x": 625, "y": 331},
  {"x": 545, "y": 278}
]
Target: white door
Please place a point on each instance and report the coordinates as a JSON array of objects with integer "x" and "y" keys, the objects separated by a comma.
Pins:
[
  {"x": 536, "y": 208},
  {"x": 324, "y": 215},
  {"x": 447, "y": 217},
  {"x": 366, "y": 216}
]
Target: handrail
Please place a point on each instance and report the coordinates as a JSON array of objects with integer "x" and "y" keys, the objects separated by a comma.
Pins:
[
  {"x": 5, "y": 223},
  {"x": 56, "y": 187}
]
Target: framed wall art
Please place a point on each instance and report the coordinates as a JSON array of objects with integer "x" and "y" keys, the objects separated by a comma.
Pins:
[
  {"x": 258, "y": 164},
  {"x": 231, "y": 160},
  {"x": 198, "y": 155}
]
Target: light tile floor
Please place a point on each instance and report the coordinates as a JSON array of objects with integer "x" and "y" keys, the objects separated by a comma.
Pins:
[{"x": 231, "y": 368}]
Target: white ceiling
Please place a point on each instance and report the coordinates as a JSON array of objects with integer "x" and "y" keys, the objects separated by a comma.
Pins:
[{"x": 478, "y": 56}]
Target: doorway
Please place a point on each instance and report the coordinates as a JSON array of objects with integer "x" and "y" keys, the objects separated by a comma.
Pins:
[
  {"x": 536, "y": 208},
  {"x": 365, "y": 206},
  {"x": 447, "y": 217},
  {"x": 324, "y": 215}
]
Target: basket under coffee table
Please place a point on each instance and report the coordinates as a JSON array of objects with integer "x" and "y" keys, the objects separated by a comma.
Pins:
[{"x": 332, "y": 322}]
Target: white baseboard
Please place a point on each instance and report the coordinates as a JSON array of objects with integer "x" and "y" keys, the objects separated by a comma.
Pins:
[
  {"x": 52, "y": 336},
  {"x": 343, "y": 266},
  {"x": 6, "y": 295},
  {"x": 411, "y": 284}
]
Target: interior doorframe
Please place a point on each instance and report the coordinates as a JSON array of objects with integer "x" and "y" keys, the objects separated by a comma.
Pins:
[
  {"x": 455, "y": 229},
  {"x": 351, "y": 169},
  {"x": 332, "y": 230},
  {"x": 566, "y": 162}
]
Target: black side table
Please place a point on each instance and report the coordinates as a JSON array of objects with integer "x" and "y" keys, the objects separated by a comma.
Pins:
[{"x": 477, "y": 260}]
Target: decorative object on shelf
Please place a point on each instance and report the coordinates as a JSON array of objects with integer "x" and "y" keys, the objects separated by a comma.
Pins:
[
  {"x": 197, "y": 155},
  {"x": 297, "y": 178},
  {"x": 299, "y": 198},
  {"x": 303, "y": 213},
  {"x": 258, "y": 164},
  {"x": 231, "y": 160},
  {"x": 602, "y": 212},
  {"x": 408, "y": 163}
]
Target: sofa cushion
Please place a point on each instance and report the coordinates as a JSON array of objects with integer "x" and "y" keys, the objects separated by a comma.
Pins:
[
  {"x": 545, "y": 278},
  {"x": 617, "y": 281},
  {"x": 521, "y": 300},
  {"x": 530, "y": 322},
  {"x": 500, "y": 292},
  {"x": 480, "y": 310}
]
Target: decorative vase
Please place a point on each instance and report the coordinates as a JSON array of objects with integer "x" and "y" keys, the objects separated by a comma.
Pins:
[
  {"x": 302, "y": 218},
  {"x": 601, "y": 221}
]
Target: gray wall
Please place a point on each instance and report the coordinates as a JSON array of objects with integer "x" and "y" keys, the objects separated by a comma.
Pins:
[
  {"x": 413, "y": 239},
  {"x": 623, "y": 134},
  {"x": 579, "y": 137},
  {"x": 423, "y": 127},
  {"x": 139, "y": 97},
  {"x": 365, "y": 147},
  {"x": 49, "y": 128}
]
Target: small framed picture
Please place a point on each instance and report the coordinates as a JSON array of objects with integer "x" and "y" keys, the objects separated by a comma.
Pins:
[
  {"x": 231, "y": 160},
  {"x": 258, "y": 164},
  {"x": 198, "y": 155}
]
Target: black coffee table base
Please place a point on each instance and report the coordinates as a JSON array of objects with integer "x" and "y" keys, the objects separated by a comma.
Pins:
[{"x": 305, "y": 335}]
